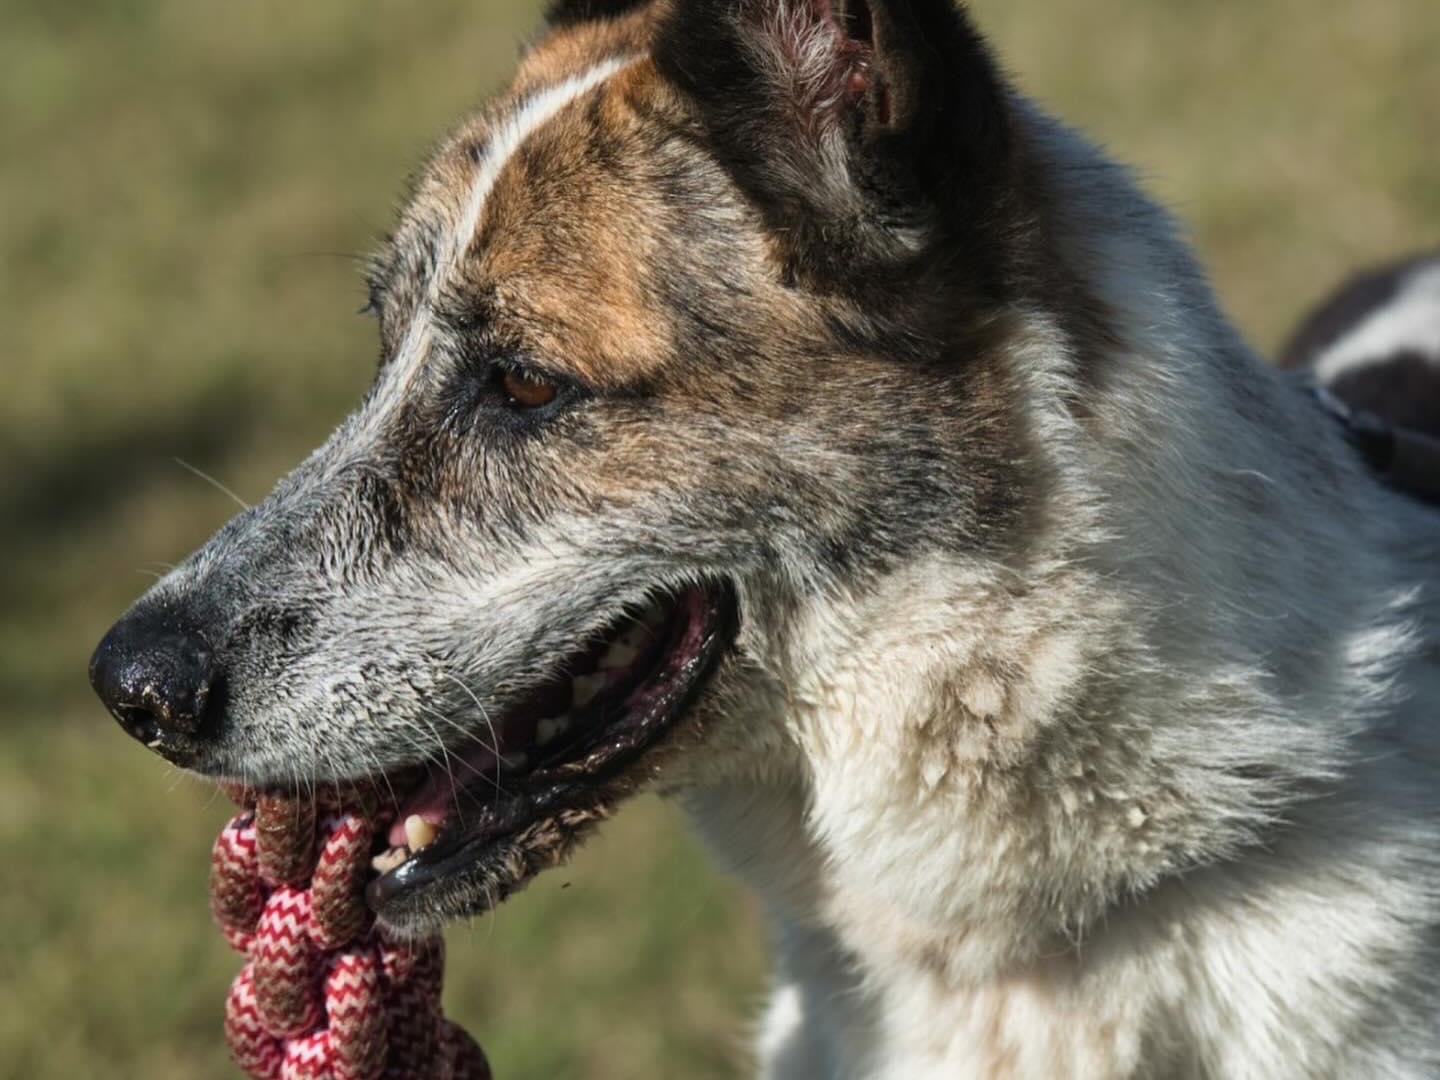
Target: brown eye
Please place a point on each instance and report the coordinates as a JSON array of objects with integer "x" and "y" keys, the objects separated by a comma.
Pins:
[{"x": 527, "y": 391}]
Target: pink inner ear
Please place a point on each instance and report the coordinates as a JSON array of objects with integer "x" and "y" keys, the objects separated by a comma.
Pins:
[
  {"x": 825, "y": 53},
  {"x": 857, "y": 31}
]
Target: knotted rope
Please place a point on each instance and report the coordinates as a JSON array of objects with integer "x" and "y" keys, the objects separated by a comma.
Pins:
[{"x": 325, "y": 994}]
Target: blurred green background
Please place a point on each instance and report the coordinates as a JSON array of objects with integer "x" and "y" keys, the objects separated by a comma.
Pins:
[{"x": 184, "y": 188}]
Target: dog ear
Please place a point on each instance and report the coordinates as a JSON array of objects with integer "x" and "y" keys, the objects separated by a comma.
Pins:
[
  {"x": 569, "y": 12},
  {"x": 860, "y": 127}
]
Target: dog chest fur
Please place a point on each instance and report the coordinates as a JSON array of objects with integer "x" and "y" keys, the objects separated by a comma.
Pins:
[{"x": 1065, "y": 903}]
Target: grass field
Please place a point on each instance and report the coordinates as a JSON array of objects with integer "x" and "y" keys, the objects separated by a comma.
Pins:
[{"x": 184, "y": 185}]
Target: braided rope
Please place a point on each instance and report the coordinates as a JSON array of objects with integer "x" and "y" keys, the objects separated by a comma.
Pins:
[{"x": 325, "y": 994}]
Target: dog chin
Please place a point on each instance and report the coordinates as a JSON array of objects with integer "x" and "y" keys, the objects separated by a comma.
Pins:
[{"x": 471, "y": 831}]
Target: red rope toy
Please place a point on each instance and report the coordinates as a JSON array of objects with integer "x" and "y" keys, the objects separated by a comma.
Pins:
[{"x": 324, "y": 993}]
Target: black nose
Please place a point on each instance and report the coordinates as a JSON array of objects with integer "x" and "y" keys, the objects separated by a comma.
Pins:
[{"x": 157, "y": 676}]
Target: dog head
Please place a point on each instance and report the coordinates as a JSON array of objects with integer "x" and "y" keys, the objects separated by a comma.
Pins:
[{"x": 703, "y": 317}]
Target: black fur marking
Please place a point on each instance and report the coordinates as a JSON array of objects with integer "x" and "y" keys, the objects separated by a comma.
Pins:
[
  {"x": 931, "y": 160},
  {"x": 1403, "y": 388}
]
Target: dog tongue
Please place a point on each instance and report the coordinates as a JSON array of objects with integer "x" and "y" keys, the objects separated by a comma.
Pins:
[{"x": 438, "y": 793}]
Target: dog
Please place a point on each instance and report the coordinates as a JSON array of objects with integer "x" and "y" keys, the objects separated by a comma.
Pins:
[
  {"x": 1375, "y": 343},
  {"x": 780, "y": 411}
]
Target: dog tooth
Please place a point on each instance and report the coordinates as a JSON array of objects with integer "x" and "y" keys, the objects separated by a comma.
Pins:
[
  {"x": 619, "y": 655},
  {"x": 549, "y": 727},
  {"x": 389, "y": 860},
  {"x": 584, "y": 689},
  {"x": 419, "y": 833},
  {"x": 653, "y": 616}
]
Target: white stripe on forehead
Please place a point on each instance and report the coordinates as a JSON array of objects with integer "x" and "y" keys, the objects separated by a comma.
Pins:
[
  {"x": 506, "y": 138},
  {"x": 509, "y": 135}
]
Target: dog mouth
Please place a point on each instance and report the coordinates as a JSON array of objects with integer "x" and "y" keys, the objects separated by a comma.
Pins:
[{"x": 525, "y": 792}]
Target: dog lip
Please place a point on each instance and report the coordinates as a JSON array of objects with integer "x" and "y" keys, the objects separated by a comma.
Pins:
[{"x": 585, "y": 784}]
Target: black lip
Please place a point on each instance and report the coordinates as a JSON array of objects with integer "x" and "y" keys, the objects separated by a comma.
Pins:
[{"x": 578, "y": 789}]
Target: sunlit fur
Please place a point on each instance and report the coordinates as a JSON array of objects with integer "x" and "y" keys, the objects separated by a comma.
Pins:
[{"x": 1082, "y": 717}]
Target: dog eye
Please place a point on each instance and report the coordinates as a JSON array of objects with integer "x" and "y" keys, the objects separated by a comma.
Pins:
[{"x": 526, "y": 391}]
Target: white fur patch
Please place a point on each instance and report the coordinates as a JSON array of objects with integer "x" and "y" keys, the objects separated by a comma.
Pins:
[
  {"x": 1409, "y": 322},
  {"x": 508, "y": 136}
]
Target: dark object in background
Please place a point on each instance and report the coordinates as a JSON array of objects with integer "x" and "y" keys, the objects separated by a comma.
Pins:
[
  {"x": 1374, "y": 348},
  {"x": 1375, "y": 343}
]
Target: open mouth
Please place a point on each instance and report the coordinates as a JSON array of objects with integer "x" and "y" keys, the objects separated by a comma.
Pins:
[{"x": 518, "y": 800}]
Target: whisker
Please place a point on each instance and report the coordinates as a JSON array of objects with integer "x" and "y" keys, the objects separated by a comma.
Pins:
[
  {"x": 212, "y": 482},
  {"x": 484, "y": 715},
  {"x": 470, "y": 735}
]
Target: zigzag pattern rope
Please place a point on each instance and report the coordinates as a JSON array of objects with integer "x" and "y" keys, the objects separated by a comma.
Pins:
[{"x": 325, "y": 994}]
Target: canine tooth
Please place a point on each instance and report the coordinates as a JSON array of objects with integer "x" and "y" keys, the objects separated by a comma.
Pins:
[
  {"x": 585, "y": 687},
  {"x": 619, "y": 655},
  {"x": 653, "y": 616},
  {"x": 419, "y": 833},
  {"x": 549, "y": 727},
  {"x": 389, "y": 860}
]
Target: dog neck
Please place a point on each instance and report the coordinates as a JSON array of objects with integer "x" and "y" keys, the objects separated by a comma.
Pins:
[{"x": 987, "y": 773}]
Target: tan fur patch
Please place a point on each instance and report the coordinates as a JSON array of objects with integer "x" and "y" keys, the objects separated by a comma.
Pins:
[
  {"x": 565, "y": 230},
  {"x": 572, "y": 50}
]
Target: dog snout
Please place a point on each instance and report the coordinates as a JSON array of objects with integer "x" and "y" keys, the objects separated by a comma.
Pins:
[{"x": 158, "y": 676}]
